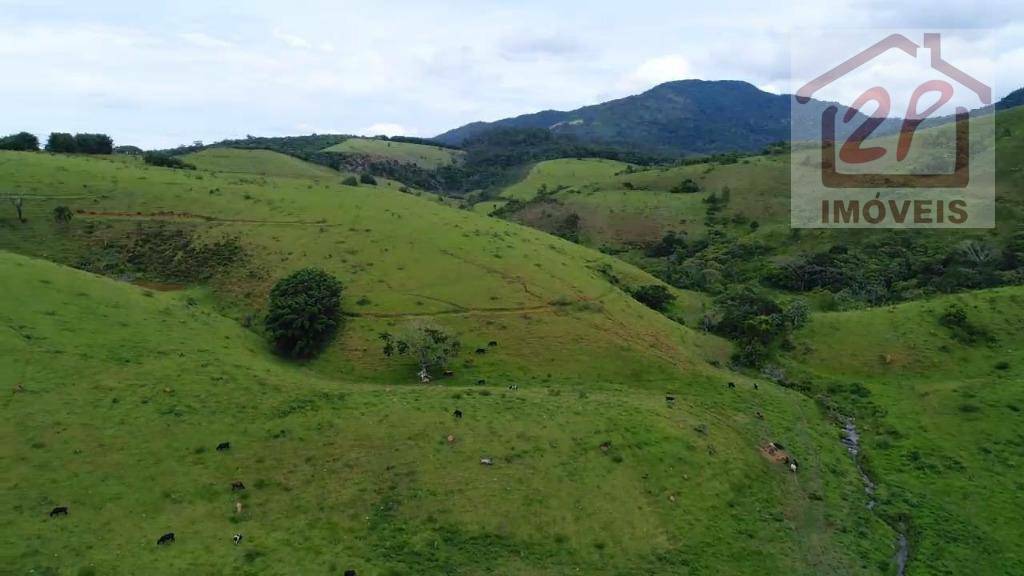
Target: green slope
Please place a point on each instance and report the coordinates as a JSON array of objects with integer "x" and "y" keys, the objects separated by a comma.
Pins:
[
  {"x": 362, "y": 475},
  {"x": 941, "y": 421},
  {"x": 261, "y": 162},
  {"x": 423, "y": 155}
]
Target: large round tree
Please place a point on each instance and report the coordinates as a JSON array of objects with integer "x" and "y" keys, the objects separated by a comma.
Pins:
[{"x": 304, "y": 312}]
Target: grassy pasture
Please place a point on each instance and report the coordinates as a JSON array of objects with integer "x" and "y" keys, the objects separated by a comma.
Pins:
[
  {"x": 259, "y": 162},
  {"x": 356, "y": 474},
  {"x": 423, "y": 155},
  {"x": 615, "y": 216},
  {"x": 124, "y": 392},
  {"x": 941, "y": 420}
]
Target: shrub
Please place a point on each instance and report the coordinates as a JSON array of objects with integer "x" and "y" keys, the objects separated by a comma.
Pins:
[
  {"x": 304, "y": 312},
  {"x": 350, "y": 181},
  {"x": 687, "y": 186},
  {"x": 654, "y": 296},
  {"x": 430, "y": 345},
  {"x": 22, "y": 141},
  {"x": 165, "y": 161},
  {"x": 365, "y": 178},
  {"x": 955, "y": 318},
  {"x": 62, "y": 215}
]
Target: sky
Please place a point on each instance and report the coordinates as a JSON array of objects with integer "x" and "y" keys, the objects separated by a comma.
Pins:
[{"x": 160, "y": 74}]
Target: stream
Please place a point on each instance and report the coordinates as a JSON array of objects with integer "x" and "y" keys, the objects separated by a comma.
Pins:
[{"x": 851, "y": 439}]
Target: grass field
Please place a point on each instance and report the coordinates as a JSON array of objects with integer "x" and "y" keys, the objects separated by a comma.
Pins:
[
  {"x": 121, "y": 392},
  {"x": 423, "y": 155},
  {"x": 619, "y": 207},
  {"x": 940, "y": 419},
  {"x": 259, "y": 162},
  {"x": 567, "y": 173}
]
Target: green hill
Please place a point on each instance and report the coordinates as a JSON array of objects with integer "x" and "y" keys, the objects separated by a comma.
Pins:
[
  {"x": 677, "y": 118},
  {"x": 261, "y": 162},
  {"x": 121, "y": 393},
  {"x": 422, "y": 155},
  {"x": 939, "y": 412}
]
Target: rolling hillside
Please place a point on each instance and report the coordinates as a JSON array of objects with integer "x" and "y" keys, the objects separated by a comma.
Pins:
[
  {"x": 422, "y": 155},
  {"x": 260, "y": 162},
  {"x": 938, "y": 408},
  {"x": 346, "y": 458}
]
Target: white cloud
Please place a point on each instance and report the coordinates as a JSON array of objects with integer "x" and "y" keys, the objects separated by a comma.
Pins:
[
  {"x": 656, "y": 71},
  {"x": 387, "y": 129},
  {"x": 292, "y": 40},
  {"x": 204, "y": 40},
  {"x": 157, "y": 78}
]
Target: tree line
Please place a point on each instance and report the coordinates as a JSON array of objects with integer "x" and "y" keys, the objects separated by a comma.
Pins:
[{"x": 60, "y": 142}]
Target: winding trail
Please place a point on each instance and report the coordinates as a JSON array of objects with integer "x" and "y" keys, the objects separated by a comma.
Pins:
[
  {"x": 170, "y": 215},
  {"x": 851, "y": 439}
]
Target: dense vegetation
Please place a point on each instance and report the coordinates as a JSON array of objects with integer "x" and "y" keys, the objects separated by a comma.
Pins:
[
  {"x": 165, "y": 161},
  {"x": 64, "y": 143},
  {"x": 22, "y": 141},
  {"x": 304, "y": 312}
]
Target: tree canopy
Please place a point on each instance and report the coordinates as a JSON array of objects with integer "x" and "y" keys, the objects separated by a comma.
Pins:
[{"x": 304, "y": 312}]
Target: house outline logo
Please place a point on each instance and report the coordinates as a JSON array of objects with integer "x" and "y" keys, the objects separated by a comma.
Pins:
[{"x": 852, "y": 150}]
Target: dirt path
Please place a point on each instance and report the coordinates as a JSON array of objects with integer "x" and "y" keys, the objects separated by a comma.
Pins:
[
  {"x": 172, "y": 216},
  {"x": 467, "y": 311}
]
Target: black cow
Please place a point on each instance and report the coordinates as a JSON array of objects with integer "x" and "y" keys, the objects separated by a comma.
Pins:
[
  {"x": 223, "y": 446},
  {"x": 457, "y": 413},
  {"x": 237, "y": 485},
  {"x": 492, "y": 343},
  {"x": 481, "y": 351},
  {"x": 670, "y": 398},
  {"x": 59, "y": 511},
  {"x": 732, "y": 384},
  {"x": 449, "y": 373},
  {"x": 350, "y": 573},
  {"x": 755, "y": 385},
  {"x": 481, "y": 382},
  {"x": 166, "y": 539}
]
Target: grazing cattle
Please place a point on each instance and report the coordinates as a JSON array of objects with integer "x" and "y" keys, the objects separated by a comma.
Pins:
[
  {"x": 486, "y": 461},
  {"x": 670, "y": 398},
  {"x": 605, "y": 446},
  {"x": 59, "y": 511},
  {"x": 792, "y": 466},
  {"x": 223, "y": 446},
  {"x": 166, "y": 539},
  {"x": 481, "y": 351},
  {"x": 449, "y": 373},
  {"x": 755, "y": 386},
  {"x": 350, "y": 573},
  {"x": 513, "y": 386},
  {"x": 236, "y": 538},
  {"x": 238, "y": 507},
  {"x": 759, "y": 415},
  {"x": 732, "y": 385},
  {"x": 457, "y": 413},
  {"x": 481, "y": 382},
  {"x": 492, "y": 343},
  {"x": 237, "y": 485}
]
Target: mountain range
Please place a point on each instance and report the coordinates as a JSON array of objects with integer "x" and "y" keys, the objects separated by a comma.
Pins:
[{"x": 683, "y": 117}]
